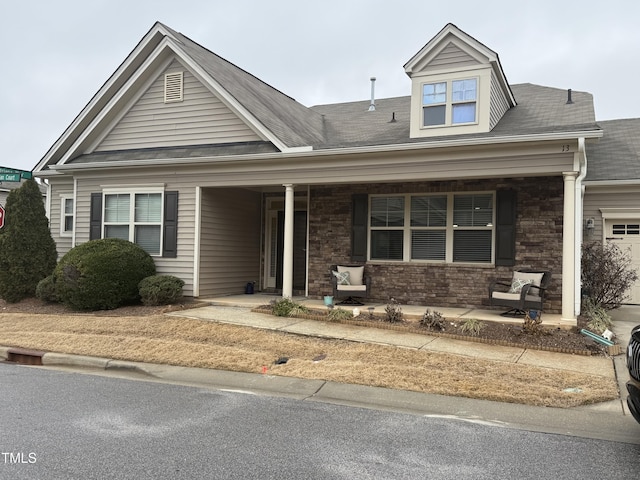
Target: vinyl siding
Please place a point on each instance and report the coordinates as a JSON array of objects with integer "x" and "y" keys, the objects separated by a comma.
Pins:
[
  {"x": 201, "y": 118},
  {"x": 498, "y": 105},
  {"x": 182, "y": 265},
  {"x": 451, "y": 57},
  {"x": 60, "y": 187},
  {"x": 229, "y": 240},
  {"x": 594, "y": 201}
]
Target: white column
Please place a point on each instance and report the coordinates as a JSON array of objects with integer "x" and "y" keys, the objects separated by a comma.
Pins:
[
  {"x": 568, "y": 247},
  {"x": 287, "y": 256}
]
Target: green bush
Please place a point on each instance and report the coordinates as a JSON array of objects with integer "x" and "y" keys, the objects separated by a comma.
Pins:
[
  {"x": 160, "y": 289},
  {"x": 102, "y": 274},
  {"x": 46, "y": 290},
  {"x": 27, "y": 250}
]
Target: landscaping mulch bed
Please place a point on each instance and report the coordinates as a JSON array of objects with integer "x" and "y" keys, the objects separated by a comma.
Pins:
[{"x": 495, "y": 333}]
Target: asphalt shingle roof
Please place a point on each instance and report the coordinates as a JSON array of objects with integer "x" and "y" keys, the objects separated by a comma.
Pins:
[{"x": 616, "y": 156}]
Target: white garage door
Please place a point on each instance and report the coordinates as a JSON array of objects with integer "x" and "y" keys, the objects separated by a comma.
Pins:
[{"x": 626, "y": 235}]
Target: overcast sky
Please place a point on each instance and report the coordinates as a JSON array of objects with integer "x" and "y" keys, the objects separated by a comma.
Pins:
[{"x": 58, "y": 53}]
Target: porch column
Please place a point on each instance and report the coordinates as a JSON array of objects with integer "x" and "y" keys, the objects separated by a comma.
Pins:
[
  {"x": 568, "y": 247},
  {"x": 287, "y": 260}
]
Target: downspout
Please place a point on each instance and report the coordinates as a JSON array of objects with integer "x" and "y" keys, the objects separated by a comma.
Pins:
[{"x": 582, "y": 172}]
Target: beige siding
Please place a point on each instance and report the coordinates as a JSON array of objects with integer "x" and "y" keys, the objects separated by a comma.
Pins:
[
  {"x": 230, "y": 240},
  {"x": 201, "y": 118},
  {"x": 182, "y": 266},
  {"x": 594, "y": 201},
  {"x": 451, "y": 57},
  {"x": 60, "y": 187},
  {"x": 499, "y": 104}
]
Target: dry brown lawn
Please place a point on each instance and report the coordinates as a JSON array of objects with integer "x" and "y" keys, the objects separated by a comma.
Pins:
[{"x": 194, "y": 343}]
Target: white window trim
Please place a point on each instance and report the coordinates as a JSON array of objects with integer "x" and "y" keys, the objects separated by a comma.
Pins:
[
  {"x": 132, "y": 223},
  {"x": 449, "y": 103},
  {"x": 63, "y": 199},
  {"x": 449, "y": 228}
]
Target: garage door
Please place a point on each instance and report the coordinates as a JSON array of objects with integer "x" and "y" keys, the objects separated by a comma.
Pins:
[{"x": 626, "y": 235}]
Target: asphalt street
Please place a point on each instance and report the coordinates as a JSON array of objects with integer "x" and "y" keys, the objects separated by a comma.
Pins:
[{"x": 61, "y": 425}]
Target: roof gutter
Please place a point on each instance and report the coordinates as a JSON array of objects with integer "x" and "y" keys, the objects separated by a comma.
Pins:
[
  {"x": 579, "y": 199},
  {"x": 463, "y": 142}
]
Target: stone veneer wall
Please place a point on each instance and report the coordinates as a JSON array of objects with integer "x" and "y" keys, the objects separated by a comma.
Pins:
[{"x": 538, "y": 244}]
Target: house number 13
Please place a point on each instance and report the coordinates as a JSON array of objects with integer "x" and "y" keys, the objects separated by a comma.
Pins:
[{"x": 566, "y": 148}]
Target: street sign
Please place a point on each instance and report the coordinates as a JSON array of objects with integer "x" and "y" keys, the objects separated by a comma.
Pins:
[
  {"x": 13, "y": 175},
  {"x": 1, "y": 216},
  {"x": 9, "y": 177}
]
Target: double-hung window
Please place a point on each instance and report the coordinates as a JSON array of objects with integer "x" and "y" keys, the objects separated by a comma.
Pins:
[
  {"x": 451, "y": 227},
  {"x": 449, "y": 103},
  {"x": 66, "y": 213},
  {"x": 136, "y": 217}
]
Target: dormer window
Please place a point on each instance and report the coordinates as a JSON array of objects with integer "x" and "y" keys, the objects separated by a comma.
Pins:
[{"x": 441, "y": 108}]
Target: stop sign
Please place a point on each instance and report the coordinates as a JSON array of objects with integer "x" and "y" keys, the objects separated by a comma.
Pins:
[{"x": 1, "y": 216}]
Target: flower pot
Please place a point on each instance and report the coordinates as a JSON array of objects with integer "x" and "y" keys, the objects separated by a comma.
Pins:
[{"x": 328, "y": 300}]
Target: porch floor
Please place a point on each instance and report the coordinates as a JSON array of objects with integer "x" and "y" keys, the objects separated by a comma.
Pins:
[{"x": 410, "y": 312}]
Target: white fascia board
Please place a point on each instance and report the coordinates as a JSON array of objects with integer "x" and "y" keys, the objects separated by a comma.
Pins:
[
  {"x": 128, "y": 62},
  {"x": 565, "y": 136}
]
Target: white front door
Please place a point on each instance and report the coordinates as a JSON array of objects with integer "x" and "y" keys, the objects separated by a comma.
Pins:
[{"x": 626, "y": 235}]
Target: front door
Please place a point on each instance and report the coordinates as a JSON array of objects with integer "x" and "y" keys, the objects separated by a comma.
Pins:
[{"x": 626, "y": 235}]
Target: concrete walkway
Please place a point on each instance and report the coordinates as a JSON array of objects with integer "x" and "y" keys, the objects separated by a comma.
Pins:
[{"x": 237, "y": 310}]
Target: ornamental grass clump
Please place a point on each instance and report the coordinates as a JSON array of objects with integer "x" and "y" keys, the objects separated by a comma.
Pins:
[
  {"x": 339, "y": 314},
  {"x": 285, "y": 307},
  {"x": 472, "y": 326}
]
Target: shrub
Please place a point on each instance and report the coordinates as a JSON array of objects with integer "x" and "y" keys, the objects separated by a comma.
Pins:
[
  {"x": 27, "y": 250},
  {"x": 160, "y": 289},
  {"x": 433, "y": 320},
  {"x": 393, "y": 311},
  {"x": 607, "y": 274},
  {"x": 285, "y": 307},
  {"x": 473, "y": 326},
  {"x": 46, "y": 290},
  {"x": 598, "y": 320},
  {"x": 338, "y": 314},
  {"x": 102, "y": 274}
]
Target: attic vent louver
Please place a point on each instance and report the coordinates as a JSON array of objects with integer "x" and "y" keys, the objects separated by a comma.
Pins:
[{"x": 173, "y": 87}]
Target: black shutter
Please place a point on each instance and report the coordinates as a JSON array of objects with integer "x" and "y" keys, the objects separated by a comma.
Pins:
[
  {"x": 95, "y": 217},
  {"x": 359, "y": 217},
  {"x": 170, "y": 227},
  {"x": 506, "y": 214}
]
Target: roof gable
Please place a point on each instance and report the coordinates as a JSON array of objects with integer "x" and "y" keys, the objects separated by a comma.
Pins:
[
  {"x": 199, "y": 117},
  {"x": 451, "y": 46},
  {"x": 274, "y": 116}
]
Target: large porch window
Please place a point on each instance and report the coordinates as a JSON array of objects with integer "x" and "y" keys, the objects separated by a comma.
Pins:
[{"x": 453, "y": 227}]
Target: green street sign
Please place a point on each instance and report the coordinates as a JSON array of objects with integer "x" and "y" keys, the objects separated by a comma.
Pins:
[
  {"x": 13, "y": 175},
  {"x": 9, "y": 177}
]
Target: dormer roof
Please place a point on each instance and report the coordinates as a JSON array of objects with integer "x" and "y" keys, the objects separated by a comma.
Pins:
[{"x": 451, "y": 49}]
